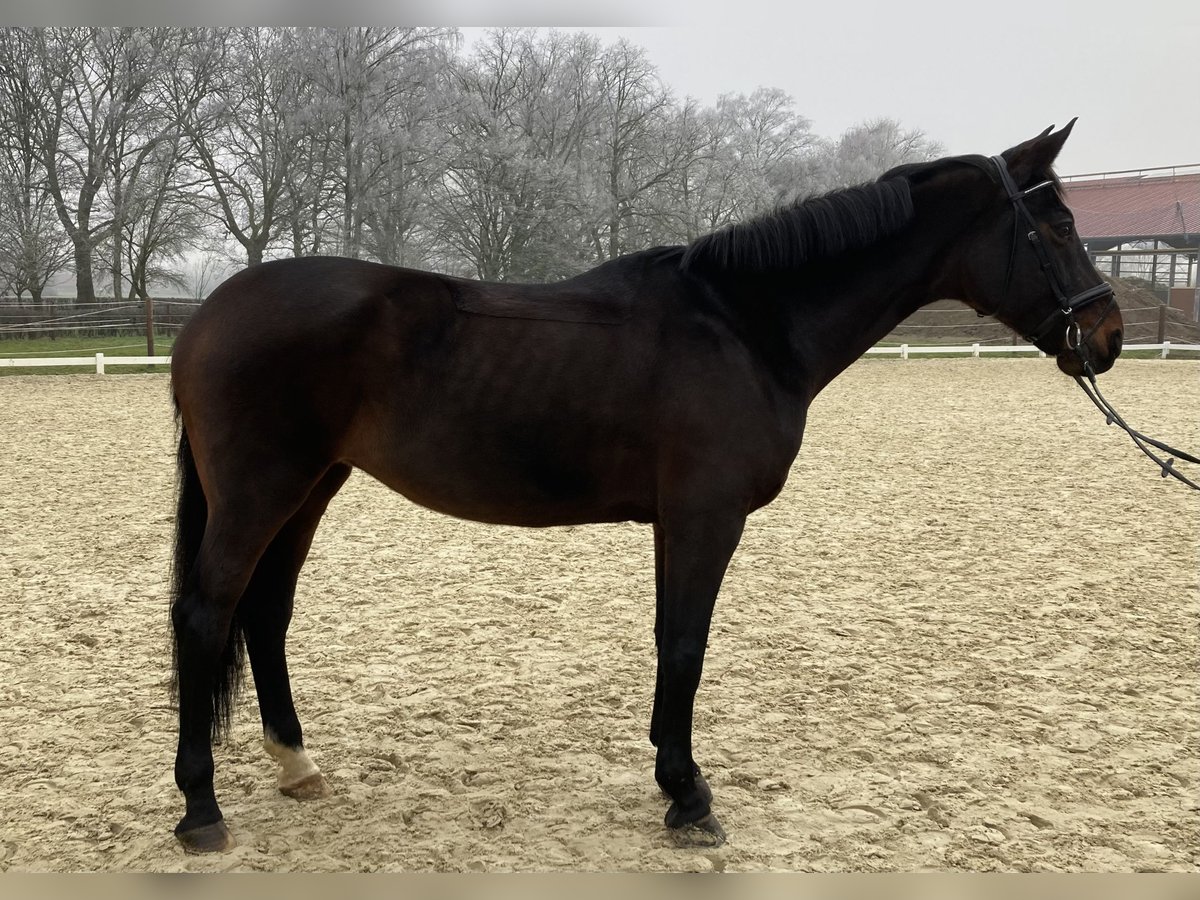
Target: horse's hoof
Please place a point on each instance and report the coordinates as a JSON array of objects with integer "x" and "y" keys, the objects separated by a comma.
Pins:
[
  {"x": 705, "y": 832},
  {"x": 214, "y": 838},
  {"x": 701, "y": 786},
  {"x": 314, "y": 787}
]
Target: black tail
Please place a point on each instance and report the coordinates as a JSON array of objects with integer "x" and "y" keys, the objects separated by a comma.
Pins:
[{"x": 191, "y": 517}]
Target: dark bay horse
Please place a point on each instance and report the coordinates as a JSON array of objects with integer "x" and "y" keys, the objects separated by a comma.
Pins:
[{"x": 668, "y": 387}]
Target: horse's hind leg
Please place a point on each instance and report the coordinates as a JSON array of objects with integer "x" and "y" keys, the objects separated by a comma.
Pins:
[
  {"x": 208, "y": 662},
  {"x": 264, "y": 614},
  {"x": 208, "y": 657}
]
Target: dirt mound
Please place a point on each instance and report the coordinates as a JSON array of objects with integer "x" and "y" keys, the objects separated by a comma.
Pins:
[{"x": 1140, "y": 310}]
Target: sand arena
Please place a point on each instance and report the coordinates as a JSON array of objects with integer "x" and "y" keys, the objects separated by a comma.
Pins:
[{"x": 963, "y": 638}]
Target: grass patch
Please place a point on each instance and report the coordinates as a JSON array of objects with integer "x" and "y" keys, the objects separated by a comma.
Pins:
[{"x": 114, "y": 345}]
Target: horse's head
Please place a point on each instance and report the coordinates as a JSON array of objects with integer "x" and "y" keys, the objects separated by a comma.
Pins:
[{"x": 1024, "y": 264}]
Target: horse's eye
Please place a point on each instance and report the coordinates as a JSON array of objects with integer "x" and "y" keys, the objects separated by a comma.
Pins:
[{"x": 1065, "y": 230}]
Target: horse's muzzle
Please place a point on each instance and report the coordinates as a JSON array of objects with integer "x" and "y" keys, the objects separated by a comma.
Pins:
[{"x": 1100, "y": 353}]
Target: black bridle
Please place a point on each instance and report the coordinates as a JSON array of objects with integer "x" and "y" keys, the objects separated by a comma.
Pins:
[{"x": 1068, "y": 306}]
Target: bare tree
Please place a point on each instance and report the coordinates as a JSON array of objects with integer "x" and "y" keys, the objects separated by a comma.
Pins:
[
  {"x": 866, "y": 151},
  {"x": 704, "y": 191},
  {"x": 161, "y": 75},
  {"x": 768, "y": 141},
  {"x": 204, "y": 271},
  {"x": 406, "y": 158},
  {"x": 633, "y": 154},
  {"x": 519, "y": 142},
  {"x": 162, "y": 224},
  {"x": 311, "y": 210},
  {"x": 360, "y": 74},
  {"x": 38, "y": 72},
  {"x": 494, "y": 199},
  {"x": 33, "y": 246},
  {"x": 543, "y": 152},
  {"x": 89, "y": 94},
  {"x": 246, "y": 134}
]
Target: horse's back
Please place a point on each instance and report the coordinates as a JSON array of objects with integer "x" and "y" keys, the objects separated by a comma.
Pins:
[
  {"x": 299, "y": 299},
  {"x": 483, "y": 400},
  {"x": 307, "y": 298}
]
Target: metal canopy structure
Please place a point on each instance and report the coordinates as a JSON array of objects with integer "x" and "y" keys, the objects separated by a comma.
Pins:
[{"x": 1145, "y": 225}]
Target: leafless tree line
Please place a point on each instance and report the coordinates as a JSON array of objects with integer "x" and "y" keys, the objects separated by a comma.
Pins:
[{"x": 126, "y": 151}]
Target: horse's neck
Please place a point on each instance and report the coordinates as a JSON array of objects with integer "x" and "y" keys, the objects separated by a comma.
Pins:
[
  {"x": 815, "y": 321},
  {"x": 844, "y": 322},
  {"x": 843, "y": 308}
]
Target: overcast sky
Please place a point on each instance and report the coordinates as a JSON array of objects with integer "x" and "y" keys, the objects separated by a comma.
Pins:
[{"x": 977, "y": 77}]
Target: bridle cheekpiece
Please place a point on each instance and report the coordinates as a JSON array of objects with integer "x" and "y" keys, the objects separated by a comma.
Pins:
[{"x": 1069, "y": 305}]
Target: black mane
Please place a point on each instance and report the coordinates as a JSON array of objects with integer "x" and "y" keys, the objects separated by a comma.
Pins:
[{"x": 797, "y": 233}]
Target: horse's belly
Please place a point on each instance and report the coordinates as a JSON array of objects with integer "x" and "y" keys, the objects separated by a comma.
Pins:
[{"x": 537, "y": 489}]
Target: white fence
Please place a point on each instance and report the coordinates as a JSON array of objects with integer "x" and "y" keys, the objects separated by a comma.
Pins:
[
  {"x": 904, "y": 351},
  {"x": 99, "y": 361}
]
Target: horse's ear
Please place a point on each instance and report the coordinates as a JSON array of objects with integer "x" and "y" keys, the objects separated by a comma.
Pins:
[{"x": 1034, "y": 158}]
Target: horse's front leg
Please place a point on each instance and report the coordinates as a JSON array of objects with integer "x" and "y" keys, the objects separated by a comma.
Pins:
[{"x": 695, "y": 551}]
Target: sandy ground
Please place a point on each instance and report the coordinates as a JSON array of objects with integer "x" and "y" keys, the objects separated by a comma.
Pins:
[{"x": 964, "y": 638}]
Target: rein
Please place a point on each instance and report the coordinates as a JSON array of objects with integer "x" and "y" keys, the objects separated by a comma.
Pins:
[
  {"x": 1114, "y": 418},
  {"x": 1075, "y": 340}
]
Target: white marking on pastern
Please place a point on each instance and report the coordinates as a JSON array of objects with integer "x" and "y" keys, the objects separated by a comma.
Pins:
[{"x": 294, "y": 763}]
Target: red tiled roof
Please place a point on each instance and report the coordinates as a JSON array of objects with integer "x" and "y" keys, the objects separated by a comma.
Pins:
[{"x": 1135, "y": 207}]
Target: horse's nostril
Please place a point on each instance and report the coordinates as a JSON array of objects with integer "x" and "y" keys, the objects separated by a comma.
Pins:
[{"x": 1114, "y": 342}]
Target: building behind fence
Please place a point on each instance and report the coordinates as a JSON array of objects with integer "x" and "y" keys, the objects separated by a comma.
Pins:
[{"x": 1143, "y": 225}]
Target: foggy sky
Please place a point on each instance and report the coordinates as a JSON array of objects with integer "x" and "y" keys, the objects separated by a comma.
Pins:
[
  {"x": 979, "y": 77},
  {"x": 976, "y": 77}
]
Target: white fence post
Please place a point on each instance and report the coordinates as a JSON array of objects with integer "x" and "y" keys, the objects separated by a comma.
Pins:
[
  {"x": 975, "y": 350},
  {"x": 99, "y": 363},
  {"x": 904, "y": 351},
  {"x": 1166, "y": 349}
]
